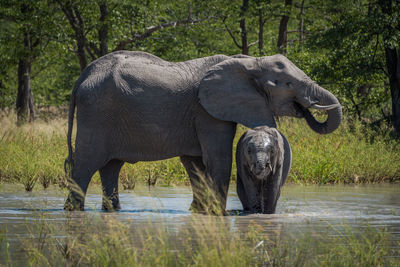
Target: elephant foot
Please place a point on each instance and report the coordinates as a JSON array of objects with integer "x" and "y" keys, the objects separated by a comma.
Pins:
[
  {"x": 74, "y": 204},
  {"x": 109, "y": 208},
  {"x": 110, "y": 204},
  {"x": 210, "y": 209},
  {"x": 196, "y": 207}
]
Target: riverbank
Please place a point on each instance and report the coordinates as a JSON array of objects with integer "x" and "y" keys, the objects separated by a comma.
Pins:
[{"x": 34, "y": 154}]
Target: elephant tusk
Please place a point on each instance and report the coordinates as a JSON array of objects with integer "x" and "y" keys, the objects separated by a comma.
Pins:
[
  {"x": 328, "y": 107},
  {"x": 269, "y": 167},
  {"x": 270, "y": 83}
]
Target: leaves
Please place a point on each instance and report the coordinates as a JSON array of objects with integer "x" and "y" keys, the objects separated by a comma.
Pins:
[{"x": 342, "y": 45}]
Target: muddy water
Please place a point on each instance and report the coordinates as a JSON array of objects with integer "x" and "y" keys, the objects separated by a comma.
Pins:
[{"x": 300, "y": 209}]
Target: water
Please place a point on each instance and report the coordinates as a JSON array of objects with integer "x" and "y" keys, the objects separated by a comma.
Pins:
[{"x": 300, "y": 209}]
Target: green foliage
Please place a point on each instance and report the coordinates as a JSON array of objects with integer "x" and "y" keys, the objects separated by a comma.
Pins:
[
  {"x": 350, "y": 61},
  {"x": 343, "y": 46}
]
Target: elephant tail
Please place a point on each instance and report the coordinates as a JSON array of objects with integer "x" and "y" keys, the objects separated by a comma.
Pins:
[{"x": 69, "y": 162}]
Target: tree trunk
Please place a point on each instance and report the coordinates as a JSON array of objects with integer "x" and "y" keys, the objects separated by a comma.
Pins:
[
  {"x": 80, "y": 43},
  {"x": 103, "y": 31},
  {"x": 243, "y": 29},
  {"x": 1, "y": 87},
  {"x": 24, "y": 103},
  {"x": 261, "y": 23},
  {"x": 393, "y": 66},
  {"x": 283, "y": 28},
  {"x": 301, "y": 24}
]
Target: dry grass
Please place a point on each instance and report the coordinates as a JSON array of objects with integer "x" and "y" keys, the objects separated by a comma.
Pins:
[{"x": 204, "y": 241}]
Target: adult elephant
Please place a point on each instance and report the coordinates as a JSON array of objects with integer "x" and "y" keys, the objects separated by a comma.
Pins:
[{"x": 134, "y": 106}]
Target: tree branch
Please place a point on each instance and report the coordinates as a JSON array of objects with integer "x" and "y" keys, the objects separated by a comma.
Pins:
[
  {"x": 42, "y": 68},
  {"x": 91, "y": 51},
  {"x": 150, "y": 30},
  {"x": 94, "y": 49},
  {"x": 78, "y": 16},
  {"x": 67, "y": 10},
  {"x": 253, "y": 43},
  {"x": 231, "y": 34},
  {"x": 4, "y": 17}
]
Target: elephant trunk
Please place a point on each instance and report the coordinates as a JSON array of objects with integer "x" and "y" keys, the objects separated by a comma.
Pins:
[{"x": 324, "y": 101}]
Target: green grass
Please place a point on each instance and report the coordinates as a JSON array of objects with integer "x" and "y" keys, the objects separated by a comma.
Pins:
[
  {"x": 204, "y": 241},
  {"x": 351, "y": 154},
  {"x": 34, "y": 154}
]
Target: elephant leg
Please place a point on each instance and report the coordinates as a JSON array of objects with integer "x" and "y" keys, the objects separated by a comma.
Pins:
[
  {"x": 89, "y": 157},
  {"x": 109, "y": 180},
  {"x": 82, "y": 173},
  {"x": 196, "y": 171},
  {"x": 216, "y": 138},
  {"x": 217, "y": 177}
]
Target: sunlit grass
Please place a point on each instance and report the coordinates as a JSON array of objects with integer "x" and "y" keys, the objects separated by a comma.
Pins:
[
  {"x": 33, "y": 154},
  {"x": 101, "y": 240},
  {"x": 351, "y": 154}
]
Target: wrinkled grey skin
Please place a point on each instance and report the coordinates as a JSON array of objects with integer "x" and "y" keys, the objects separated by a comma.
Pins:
[
  {"x": 133, "y": 106},
  {"x": 263, "y": 160}
]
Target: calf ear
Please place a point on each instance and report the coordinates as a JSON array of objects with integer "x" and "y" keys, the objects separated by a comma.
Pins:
[
  {"x": 287, "y": 159},
  {"x": 229, "y": 92},
  {"x": 279, "y": 151}
]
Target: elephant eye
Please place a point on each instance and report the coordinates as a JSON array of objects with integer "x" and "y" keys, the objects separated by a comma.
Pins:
[
  {"x": 249, "y": 150},
  {"x": 280, "y": 65}
]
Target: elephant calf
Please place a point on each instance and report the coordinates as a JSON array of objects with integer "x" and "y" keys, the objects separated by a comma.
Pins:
[{"x": 263, "y": 159}]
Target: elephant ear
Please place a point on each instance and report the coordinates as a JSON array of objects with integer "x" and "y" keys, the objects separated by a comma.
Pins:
[
  {"x": 287, "y": 158},
  {"x": 229, "y": 92},
  {"x": 246, "y": 190}
]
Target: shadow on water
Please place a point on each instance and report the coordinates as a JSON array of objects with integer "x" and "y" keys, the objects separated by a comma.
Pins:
[{"x": 33, "y": 210}]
